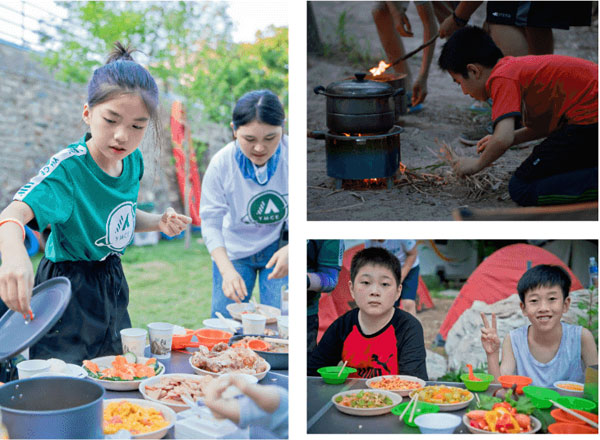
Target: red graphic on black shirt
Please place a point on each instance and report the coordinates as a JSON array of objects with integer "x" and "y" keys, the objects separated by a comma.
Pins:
[{"x": 371, "y": 356}]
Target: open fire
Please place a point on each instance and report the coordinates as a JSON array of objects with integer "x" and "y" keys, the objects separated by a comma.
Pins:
[
  {"x": 367, "y": 184},
  {"x": 382, "y": 67}
]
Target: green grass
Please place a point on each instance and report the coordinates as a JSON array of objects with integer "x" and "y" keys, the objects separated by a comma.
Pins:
[{"x": 167, "y": 282}]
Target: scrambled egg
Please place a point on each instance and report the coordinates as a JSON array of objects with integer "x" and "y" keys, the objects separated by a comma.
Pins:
[{"x": 131, "y": 417}]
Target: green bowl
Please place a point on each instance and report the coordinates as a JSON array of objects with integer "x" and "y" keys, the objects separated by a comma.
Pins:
[
  {"x": 330, "y": 374},
  {"x": 577, "y": 403},
  {"x": 540, "y": 397},
  {"x": 476, "y": 385},
  {"x": 422, "y": 408}
]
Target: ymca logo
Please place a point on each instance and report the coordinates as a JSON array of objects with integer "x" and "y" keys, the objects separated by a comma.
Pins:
[
  {"x": 119, "y": 227},
  {"x": 266, "y": 208}
]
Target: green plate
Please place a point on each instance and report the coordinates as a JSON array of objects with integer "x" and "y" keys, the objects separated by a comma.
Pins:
[
  {"x": 422, "y": 408},
  {"x": 540, "y": 397},
  {"x": 576, "y": 403}
]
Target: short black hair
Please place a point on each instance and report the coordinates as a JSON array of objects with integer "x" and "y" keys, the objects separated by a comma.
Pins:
[
  {"x": 376, "y": 256},
  {"x": 468, "y": 45},
  {"x": 544, "y": 275},
  {"x": 258, "y": 105}
]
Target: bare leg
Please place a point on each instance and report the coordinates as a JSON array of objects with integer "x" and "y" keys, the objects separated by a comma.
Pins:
[
  {"x": 410, "y": 306},
  {"x": 390, "y": 40},
  {"x": 510, "y": 39},
  {"x": 540, "y": 40}
]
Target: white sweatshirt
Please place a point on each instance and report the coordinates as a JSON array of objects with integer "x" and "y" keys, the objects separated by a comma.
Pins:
[{"x": 237, "y": 213}]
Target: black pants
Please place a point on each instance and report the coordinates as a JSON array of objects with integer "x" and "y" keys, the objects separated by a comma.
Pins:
[
  {"x": 562, "y": 169},
  {"x": 91, "y": 324}
]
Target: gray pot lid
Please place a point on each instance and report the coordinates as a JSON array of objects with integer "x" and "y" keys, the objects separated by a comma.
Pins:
[
  {"x": 359, "y": 87},
  {"x": 48, "y": 303}
]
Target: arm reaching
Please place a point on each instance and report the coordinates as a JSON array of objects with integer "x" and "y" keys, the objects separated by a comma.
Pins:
[
  {"x": 170, "y": 223},
  {"x": 233, "y": 285},
  {"x": 279, "y": 262}
]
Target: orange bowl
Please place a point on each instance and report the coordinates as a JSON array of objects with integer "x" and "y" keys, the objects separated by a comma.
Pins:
[
  {"x": 182, "y": 341},
  {"x": 571, "y": 428},
  {"x": 564, "y": 417},
  {"x": 210, "y": 337},
  {"x": 258, "y": 345},
  {"x": 509, "y": 381}
]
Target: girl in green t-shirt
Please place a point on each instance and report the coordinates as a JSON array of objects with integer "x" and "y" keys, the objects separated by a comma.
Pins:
[{"x": 87, "y": 193}]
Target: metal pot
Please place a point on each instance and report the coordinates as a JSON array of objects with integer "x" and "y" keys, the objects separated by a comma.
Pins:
[
  {"x": 52, "y": 407},
  {"x": 359, "y": 106}
]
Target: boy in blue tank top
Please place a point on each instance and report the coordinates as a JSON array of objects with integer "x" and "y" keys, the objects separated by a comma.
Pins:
[{"x": 548, "y": 349}]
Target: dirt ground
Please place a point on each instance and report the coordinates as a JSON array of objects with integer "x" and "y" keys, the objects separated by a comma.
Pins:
[{"x": 446, "y": 115}]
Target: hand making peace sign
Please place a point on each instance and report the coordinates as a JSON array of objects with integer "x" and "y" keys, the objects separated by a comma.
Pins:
[{"x": 489, "y": 335}]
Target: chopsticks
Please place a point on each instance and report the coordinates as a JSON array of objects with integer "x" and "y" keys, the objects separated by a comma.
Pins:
[
  {"x": 277, "y": 340},
  {"x": 342, "y": 369},
  {"x": 225, "y": 322},
  {"x": 412, "y": 412},
  {"x": 574, "y": 414},
  {"x": 414, "y": 399}
]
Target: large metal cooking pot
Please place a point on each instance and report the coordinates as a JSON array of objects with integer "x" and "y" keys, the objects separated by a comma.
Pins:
[
  {"x": 359, "y": 106},
  {"x": 52, "y": 407}
]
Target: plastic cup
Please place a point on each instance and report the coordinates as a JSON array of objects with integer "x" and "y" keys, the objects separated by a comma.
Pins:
[
  {"x": 133, "y": 341},
  {"x": 254, "y": 324},
  {"x": 283, "y": 327},
  {"x": 161, "y": 337},
  {"x": 32, "y": 367}
]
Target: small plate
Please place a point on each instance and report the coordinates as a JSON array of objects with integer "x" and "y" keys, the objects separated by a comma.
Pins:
[
  {"x": 237, "y": 309},
  {"x": 396, "y": 399},
  {"x": 120, "y": 385},
  {"x": 566, "y": 392},
  {"x": 373, "y": 380},
  {"x": 450, "y": 406},
  {"x": 535, "y": 427},
  {"x": 167, "y": 413},
  {"x": 200, "y": 371}
]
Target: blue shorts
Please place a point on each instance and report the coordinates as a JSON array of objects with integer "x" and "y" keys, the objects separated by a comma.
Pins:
[{"x": 409, "y": 285}]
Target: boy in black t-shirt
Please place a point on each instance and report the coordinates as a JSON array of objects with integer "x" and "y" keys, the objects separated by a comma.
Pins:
[{"x": 376, "y": 338}]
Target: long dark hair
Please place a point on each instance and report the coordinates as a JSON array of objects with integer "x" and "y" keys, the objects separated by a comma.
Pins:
[{"x": 258, "y": 105}]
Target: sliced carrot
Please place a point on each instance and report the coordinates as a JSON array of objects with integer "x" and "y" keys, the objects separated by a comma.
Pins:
[{"x": 91, "y": 366}]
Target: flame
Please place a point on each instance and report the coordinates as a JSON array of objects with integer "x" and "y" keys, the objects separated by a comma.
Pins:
[
  {"x": 402, "y": 167},
  {"x": 376, "y": 71},
  {"x": 349, "y": 135}
]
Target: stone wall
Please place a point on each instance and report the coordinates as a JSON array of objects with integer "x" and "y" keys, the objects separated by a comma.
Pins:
[{"x": 39, "y": 116}]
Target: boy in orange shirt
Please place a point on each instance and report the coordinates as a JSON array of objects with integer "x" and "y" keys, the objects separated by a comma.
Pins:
[{"x": 551, "y": 96}]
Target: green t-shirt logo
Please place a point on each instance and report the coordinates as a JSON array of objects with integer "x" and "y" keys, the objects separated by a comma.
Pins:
[{"x": 267, "y": 207}]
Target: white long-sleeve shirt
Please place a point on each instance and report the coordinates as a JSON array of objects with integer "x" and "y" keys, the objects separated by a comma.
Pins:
[{"x": 238, "y": 213}]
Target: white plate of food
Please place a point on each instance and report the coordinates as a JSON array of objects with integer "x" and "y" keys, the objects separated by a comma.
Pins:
[
  {"x": 225, "y": 359},
  {"x": 446, "y": 397},
  {"x": 128, "y": 414},
  {"x": 236, "y": 310},
  {"x": 111, "y": 373},
  {"x": 366, "y": 402},
  {"x": 569, "y": 388},
  {"x": 167, "y": 389},
  {"x": 401, "y": 385},
  {"x": 535, "y": 427}
]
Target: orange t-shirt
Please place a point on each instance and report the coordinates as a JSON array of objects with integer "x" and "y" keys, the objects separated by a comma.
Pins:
[{"x": 545, "y": 90}]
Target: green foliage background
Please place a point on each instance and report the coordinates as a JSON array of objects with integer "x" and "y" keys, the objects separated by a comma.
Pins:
[{"x": 187, "y": 47}]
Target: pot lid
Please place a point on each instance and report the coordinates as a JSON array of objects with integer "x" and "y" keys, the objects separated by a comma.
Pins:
[
  {"x": 359, "y": 87},
  {"x": 48, "y": 302}
]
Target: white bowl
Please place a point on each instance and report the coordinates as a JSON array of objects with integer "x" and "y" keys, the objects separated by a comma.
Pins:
[
  {"x": 216, "y": 324},
  {"x": 450, "y": 406},
  {"x": 237, "y": 309},
  {"x": 374, "y": 380},
  {"x": 565, "y": 392},
  {"x": 120, "y": 385},
  {"x": 200, "y": 371},
  {"x": 535, "y": 426},
  {"x": 396, "y": 399},
  {"x": 437, "y": 423},
  {"x": 167, "y": 413},
  {"x": 33, "y": 367}
]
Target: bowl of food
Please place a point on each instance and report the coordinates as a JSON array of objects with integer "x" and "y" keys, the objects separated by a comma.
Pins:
[
  {"x": 142, "y": 418},
  {"x": 236, "y": 310},
  {"x": 540, "y": 397},
  {"x": 476, "y": 423},
  {"x": 422, "y": 408},
  {"x": 477, "y": 385},
  {"x": 564, "y": 417},
  {"x": 576, "y": 403},
  {"x": 569, "y": 388},
  {"x": 434, "y": 423},
  {"x": 331, "y": 375},
  {"x": 520, "y": 381},
  {"x": 209, "y": 337},
  {"x": 275, "y": 354},
  {"x": 223, "y": 359},
  {"x": 366, "y": 402},
  {"x": 119, "y": 373},
  {"x": 168, "y": 389},
  {"x": 398, "y": 384},
  {"x": 446, "y": 397},
  {"x": 571, "y": 428}
]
